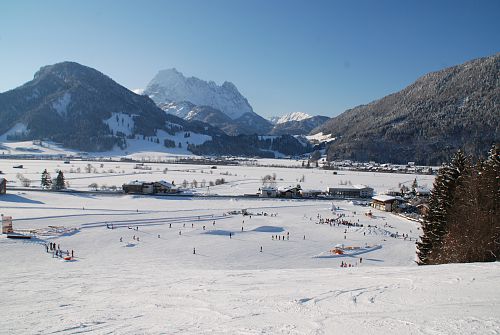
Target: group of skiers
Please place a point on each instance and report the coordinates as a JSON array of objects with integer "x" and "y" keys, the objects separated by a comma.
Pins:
[
  {"x": 349, "y": 265},
  {"x": 56, "y": 250},
  {"x": 282, "y": 238}
]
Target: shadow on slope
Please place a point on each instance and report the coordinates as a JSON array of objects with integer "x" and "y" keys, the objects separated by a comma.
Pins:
[{"x": 18, "y": 199}]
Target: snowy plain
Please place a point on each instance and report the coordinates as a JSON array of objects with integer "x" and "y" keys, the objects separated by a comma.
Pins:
[{"x": 185, "y": 275}]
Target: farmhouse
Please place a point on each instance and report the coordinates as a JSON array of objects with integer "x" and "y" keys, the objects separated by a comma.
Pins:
[
  {"x": 138, "y": 187},
  {"x": 268, "y": 192},
  {"x": 164, "y": 187},
  {"x": 290, "y": 192},
  {"x": 3, "y": 186},
  {"x": 354, "y": 191},
  {"x": 384, "y": 202},
  {"x": 142, "y": 187}
]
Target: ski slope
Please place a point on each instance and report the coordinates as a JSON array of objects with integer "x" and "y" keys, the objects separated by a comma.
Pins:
[{"x": 185, "y": 275}]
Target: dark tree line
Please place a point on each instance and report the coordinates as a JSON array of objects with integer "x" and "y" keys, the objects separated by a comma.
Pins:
[
  {"x": 250, "y": 145},
  {"x": 463, "y": 221}
]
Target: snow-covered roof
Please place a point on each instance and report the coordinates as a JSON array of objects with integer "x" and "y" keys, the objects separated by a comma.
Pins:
[
  {"x": 166, "y": 184},
  {"x": 422, "y": 190},
  {"x": 360, "y": 186},
  {"x": 351, "y": 187},
  {"x": 288, "y": 188},
  {"x": 384, "y": 197}
]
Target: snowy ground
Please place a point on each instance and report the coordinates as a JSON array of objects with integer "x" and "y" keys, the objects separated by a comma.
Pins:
[
  {"x": 157, "y": 285},
  {"x": 240, "y": 179}
]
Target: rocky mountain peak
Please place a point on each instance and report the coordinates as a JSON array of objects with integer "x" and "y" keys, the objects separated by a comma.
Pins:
[{"x": 172, "y": 86}]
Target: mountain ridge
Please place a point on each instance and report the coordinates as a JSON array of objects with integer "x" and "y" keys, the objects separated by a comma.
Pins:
[
  {"x": 441, "y": 112},
  {"x": 172, "y": 87}
]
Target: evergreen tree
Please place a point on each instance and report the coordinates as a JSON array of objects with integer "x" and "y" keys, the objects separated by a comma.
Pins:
[
  {"x": 474, "y": 228},
  {"x": 60, "y": 183},
  {"x": 46, "y": 180},
  {"x": 435, "y": 224}
]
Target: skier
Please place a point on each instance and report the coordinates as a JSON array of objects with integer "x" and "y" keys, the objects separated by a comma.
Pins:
[
  {"x": 213, "y": 224},
  {"x": 241, "y": 228},
  {"x": 158, "y": 235},
  {"x": 180, "y": 233},
  {"x": 360, "y": 260},
  {"x": 260, "y": 248},
  {"x": 137, "y": 238},
  {"x": 230, "y": 235},
  {"x": 169, "y": 225},
  {"x": 194, "y": 251},
  {"x": 121, "y": 239},
  {"x": 72, "y": 253}
]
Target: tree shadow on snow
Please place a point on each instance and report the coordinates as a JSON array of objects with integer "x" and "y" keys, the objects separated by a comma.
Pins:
[
  {"x": 18, "y": 199},
  {"x": 269, "y": 229}
]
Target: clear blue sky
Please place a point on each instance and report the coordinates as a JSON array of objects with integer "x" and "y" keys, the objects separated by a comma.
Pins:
[{"x": 318, "y": 57}]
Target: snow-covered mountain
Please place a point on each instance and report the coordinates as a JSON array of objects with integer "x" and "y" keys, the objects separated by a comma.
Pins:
[
  {"x": 190, "y": 97},
  {"x": 298, "y": 126},
  {"x": 171, "y": 85},
  {"x": 296, "y": 116}
]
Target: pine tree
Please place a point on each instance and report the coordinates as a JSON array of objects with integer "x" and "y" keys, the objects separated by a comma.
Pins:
[
  {"x": 435, "y": 224},
  {"x": 46, "y": 180},
  {"x": 474, "y": 228},
  {"x": 490, "y": 187},
  {"x": 60, "y": 183}
]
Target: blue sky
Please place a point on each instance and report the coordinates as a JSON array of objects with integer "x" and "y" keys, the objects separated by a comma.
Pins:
[{"x": 317, "y": 57}]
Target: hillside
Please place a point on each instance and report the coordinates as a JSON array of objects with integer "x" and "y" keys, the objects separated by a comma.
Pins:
[
  {"x": 80, "y": 108},
  {"x": 83, "y": 109},
  {"x": 458, "y": 107}
]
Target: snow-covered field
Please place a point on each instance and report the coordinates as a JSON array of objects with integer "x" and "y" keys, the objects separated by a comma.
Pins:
[
  {"x": 156, "y": 284},
  {"x": 240, "y": 179}
]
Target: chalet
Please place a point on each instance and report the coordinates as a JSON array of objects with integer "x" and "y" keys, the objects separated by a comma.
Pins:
[
  {"x": 268, "y": 192},
  {"x": 354, "y": 191},
  {"x": 384, "y": 202},
  {"x": 290, "y": 192},
  {"x": 3, "y": 185}
]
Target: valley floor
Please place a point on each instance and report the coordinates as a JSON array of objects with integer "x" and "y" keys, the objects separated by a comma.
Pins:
[{"x": 158, "y": 285}]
